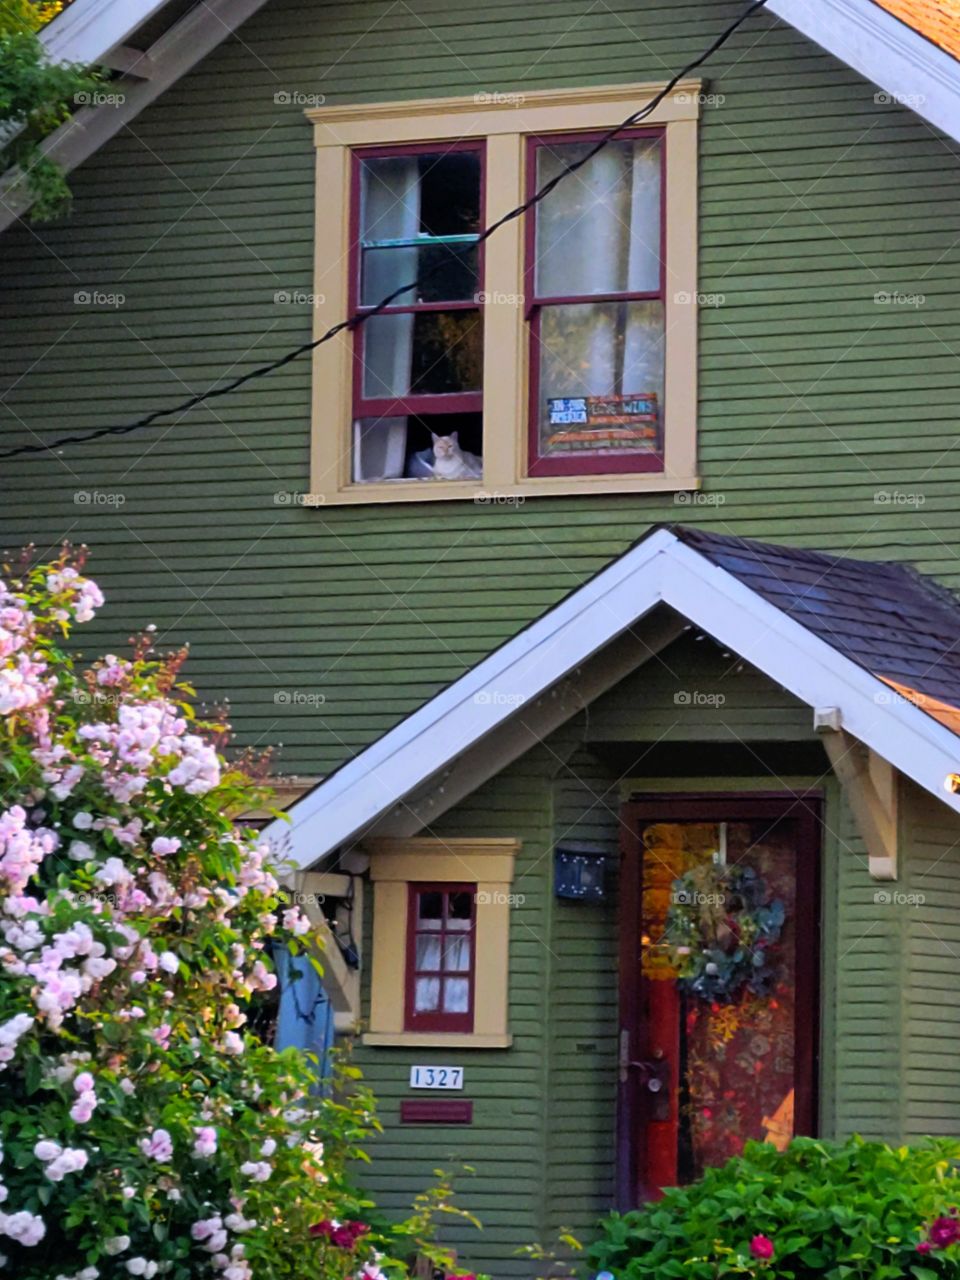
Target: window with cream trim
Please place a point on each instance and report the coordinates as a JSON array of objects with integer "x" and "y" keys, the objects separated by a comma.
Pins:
[
  {"x": 439, "y": 966},
  {"x": 558, "y": 357}
]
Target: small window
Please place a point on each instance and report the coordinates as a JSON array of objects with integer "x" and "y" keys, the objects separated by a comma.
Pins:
[
  {"x": 418, "y": 363},
  {"x": 440, "y": 958},
  {"x": 595, "y": 284}
]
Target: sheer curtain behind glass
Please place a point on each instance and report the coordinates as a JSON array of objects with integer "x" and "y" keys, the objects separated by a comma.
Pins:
[
  {"x": 390, "y": 211},
  {"x": 599, "y": 233}
]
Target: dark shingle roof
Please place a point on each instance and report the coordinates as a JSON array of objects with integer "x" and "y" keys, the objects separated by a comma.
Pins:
[{"x": 898, "y": 624}]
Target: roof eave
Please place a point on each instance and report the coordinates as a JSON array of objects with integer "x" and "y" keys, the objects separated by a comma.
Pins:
[{"x": 912, "y": 70}]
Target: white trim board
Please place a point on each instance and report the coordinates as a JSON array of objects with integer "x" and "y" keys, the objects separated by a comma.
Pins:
[
  {"x": 888, "y": 52},
  {"x": 659, "y": 570}
]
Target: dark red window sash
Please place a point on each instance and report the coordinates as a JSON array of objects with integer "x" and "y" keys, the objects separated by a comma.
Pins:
[
  {"x": 416, "y": 404},
  {"x": 438, "y": 1020},
  {"x": 602, "y": 465}
]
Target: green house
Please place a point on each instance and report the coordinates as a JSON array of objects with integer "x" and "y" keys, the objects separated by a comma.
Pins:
[{"x": 593, "y": 586}]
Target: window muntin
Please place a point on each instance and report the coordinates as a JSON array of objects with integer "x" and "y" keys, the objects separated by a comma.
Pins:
[
  {"x": 441, "y": 925},
  {"x": 595, "y": 285},
  {"x": 417, "y": 210}
]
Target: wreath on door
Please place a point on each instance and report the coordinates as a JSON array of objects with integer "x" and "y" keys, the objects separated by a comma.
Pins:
[{"x": 722, "y": 931}]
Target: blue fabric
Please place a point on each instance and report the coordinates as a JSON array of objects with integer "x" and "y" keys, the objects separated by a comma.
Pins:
[{"x": 305, "y": 1018}]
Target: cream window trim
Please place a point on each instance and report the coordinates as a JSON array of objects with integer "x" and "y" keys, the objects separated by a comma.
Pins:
[
  {"x": 505, "y": 121},
  {"x": 394, "y": 865}
]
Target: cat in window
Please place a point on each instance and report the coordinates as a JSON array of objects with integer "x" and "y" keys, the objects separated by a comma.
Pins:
[{"x": 450, "y": 462}]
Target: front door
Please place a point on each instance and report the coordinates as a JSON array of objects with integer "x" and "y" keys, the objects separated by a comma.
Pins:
[{"x": 719, "y": 958}]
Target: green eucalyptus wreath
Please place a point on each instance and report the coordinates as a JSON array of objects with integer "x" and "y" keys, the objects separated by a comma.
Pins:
[{"x": 722, "y": 932}]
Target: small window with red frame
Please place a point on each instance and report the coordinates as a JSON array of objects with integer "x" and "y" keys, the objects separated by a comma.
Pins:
[
  {"x": 595, "y": 280},
  {"x": 440, "y": 958},
  {"x": 418, "y": 363}
]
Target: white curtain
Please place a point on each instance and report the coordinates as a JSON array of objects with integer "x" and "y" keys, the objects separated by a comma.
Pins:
[
  {"x": 600, "y": 234},
  {"x": 391, "y": 211}
]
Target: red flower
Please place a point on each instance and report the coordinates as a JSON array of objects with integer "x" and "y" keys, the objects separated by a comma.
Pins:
[
  {"x": 342, "y": 1234},
  {"x": 762, "y": 1247},
  {"x": 924, "y": 1246},
  {"x": 944, "y": 1232}
]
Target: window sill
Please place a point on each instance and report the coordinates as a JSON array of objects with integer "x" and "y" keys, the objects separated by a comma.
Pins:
[
  {"x": 497, "y": 495},
  {"x": 436, "y": 1040}
]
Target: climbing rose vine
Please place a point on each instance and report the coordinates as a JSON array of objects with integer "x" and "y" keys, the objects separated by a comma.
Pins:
[{"x": 146, "y": 1131}]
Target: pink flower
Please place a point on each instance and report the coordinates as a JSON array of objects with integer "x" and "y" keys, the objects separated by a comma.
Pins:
[
  {"x": 159, "y": 1146},
  {"x": 206, "y": 1143},
  {"x": 165, "y": 845},
  {"x": 762, "y": 1247}
]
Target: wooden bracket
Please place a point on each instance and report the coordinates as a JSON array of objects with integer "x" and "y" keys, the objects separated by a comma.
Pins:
[{"x": 870, "y": 784}]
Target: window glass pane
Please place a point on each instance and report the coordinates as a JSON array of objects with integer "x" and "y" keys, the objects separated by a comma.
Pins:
[
  {"x": 419, "y": 198},
  {"x": 392, "y": 448},
  {"x": 456, "y": 995},
  {"x": 459, "y": 910},
  {"x": 599, "y": 231},
  {"x": 427, "y": 353},
  {"x": 428, "y": 951},
  {"x": 456, "y": 953},
  {"x": 429, "y": 910},
  {"x": 601, "y": 378},
  {"x": 427, "y": 995},
  {"x": 449, "y": 273}
]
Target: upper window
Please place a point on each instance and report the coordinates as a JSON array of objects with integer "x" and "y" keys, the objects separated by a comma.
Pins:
[
  {"x": 559, "y": 356},
  {"x": 596, "y": 273},
  {"x": 418, "y": 363},
  {"x": 440, "y": 964}
]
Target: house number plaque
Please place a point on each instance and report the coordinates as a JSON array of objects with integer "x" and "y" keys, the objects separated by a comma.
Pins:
[{"x": 436, "y": 1077}]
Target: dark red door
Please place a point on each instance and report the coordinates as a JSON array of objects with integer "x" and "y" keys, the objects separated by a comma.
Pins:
[{"x": 704, "y": 1067}]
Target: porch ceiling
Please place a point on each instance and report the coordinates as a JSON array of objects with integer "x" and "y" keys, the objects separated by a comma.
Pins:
[{"x": 844, "y": 636}]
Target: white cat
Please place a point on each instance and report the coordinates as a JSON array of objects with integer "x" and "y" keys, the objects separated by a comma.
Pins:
[{"x": 450, "y": 462}]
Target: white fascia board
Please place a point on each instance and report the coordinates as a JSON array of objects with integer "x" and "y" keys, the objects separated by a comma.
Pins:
[
  {"x": 88, "y": 29},
  {"x": 474, "y": 705},
  {"x": 812, "y": 670},
  {"x": 172, "y": 56},
  {"x": 911, "y": 69},
  {"x": 659, "y": 570}
]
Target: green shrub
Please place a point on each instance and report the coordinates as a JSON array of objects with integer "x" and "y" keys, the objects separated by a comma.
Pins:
[{"x": 856, "y": 1211}]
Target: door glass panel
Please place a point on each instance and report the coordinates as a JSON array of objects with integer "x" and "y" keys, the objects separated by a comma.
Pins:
[{"x": 718, "y": 1003}]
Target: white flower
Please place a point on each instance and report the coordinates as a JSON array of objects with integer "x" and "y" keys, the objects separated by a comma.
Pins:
[
  {"x": 258, "y": 1170},
  {"x": 46, "y": 1150},
  {"x": 26, "y": 1228},
  {"x": 169, "y": 962},
  {"x": 83, "y": 821},
  {"x": 116, "y": 1244},
  {"x": 141, "y": 1267}
]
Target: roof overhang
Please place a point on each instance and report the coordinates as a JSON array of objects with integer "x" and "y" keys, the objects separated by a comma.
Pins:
[
  {"x": 544, "y": 675},
  {"x": 900, "y": 61},
  {"x": 92, "y": 32}
]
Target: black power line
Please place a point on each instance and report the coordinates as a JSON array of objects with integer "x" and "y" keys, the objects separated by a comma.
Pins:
[{"x": 361, "y": 317}]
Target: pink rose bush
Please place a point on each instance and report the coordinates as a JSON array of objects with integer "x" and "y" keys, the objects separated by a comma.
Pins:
[{"x": 146, "y": 1131}]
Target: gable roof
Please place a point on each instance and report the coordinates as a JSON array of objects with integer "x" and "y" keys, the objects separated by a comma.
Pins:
[
  {"x": 935, "y": 20},
  {"x": 897, "y": 624},
  {"x": 837, "y": 633},
  {"x": 909, "y": 48}
]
